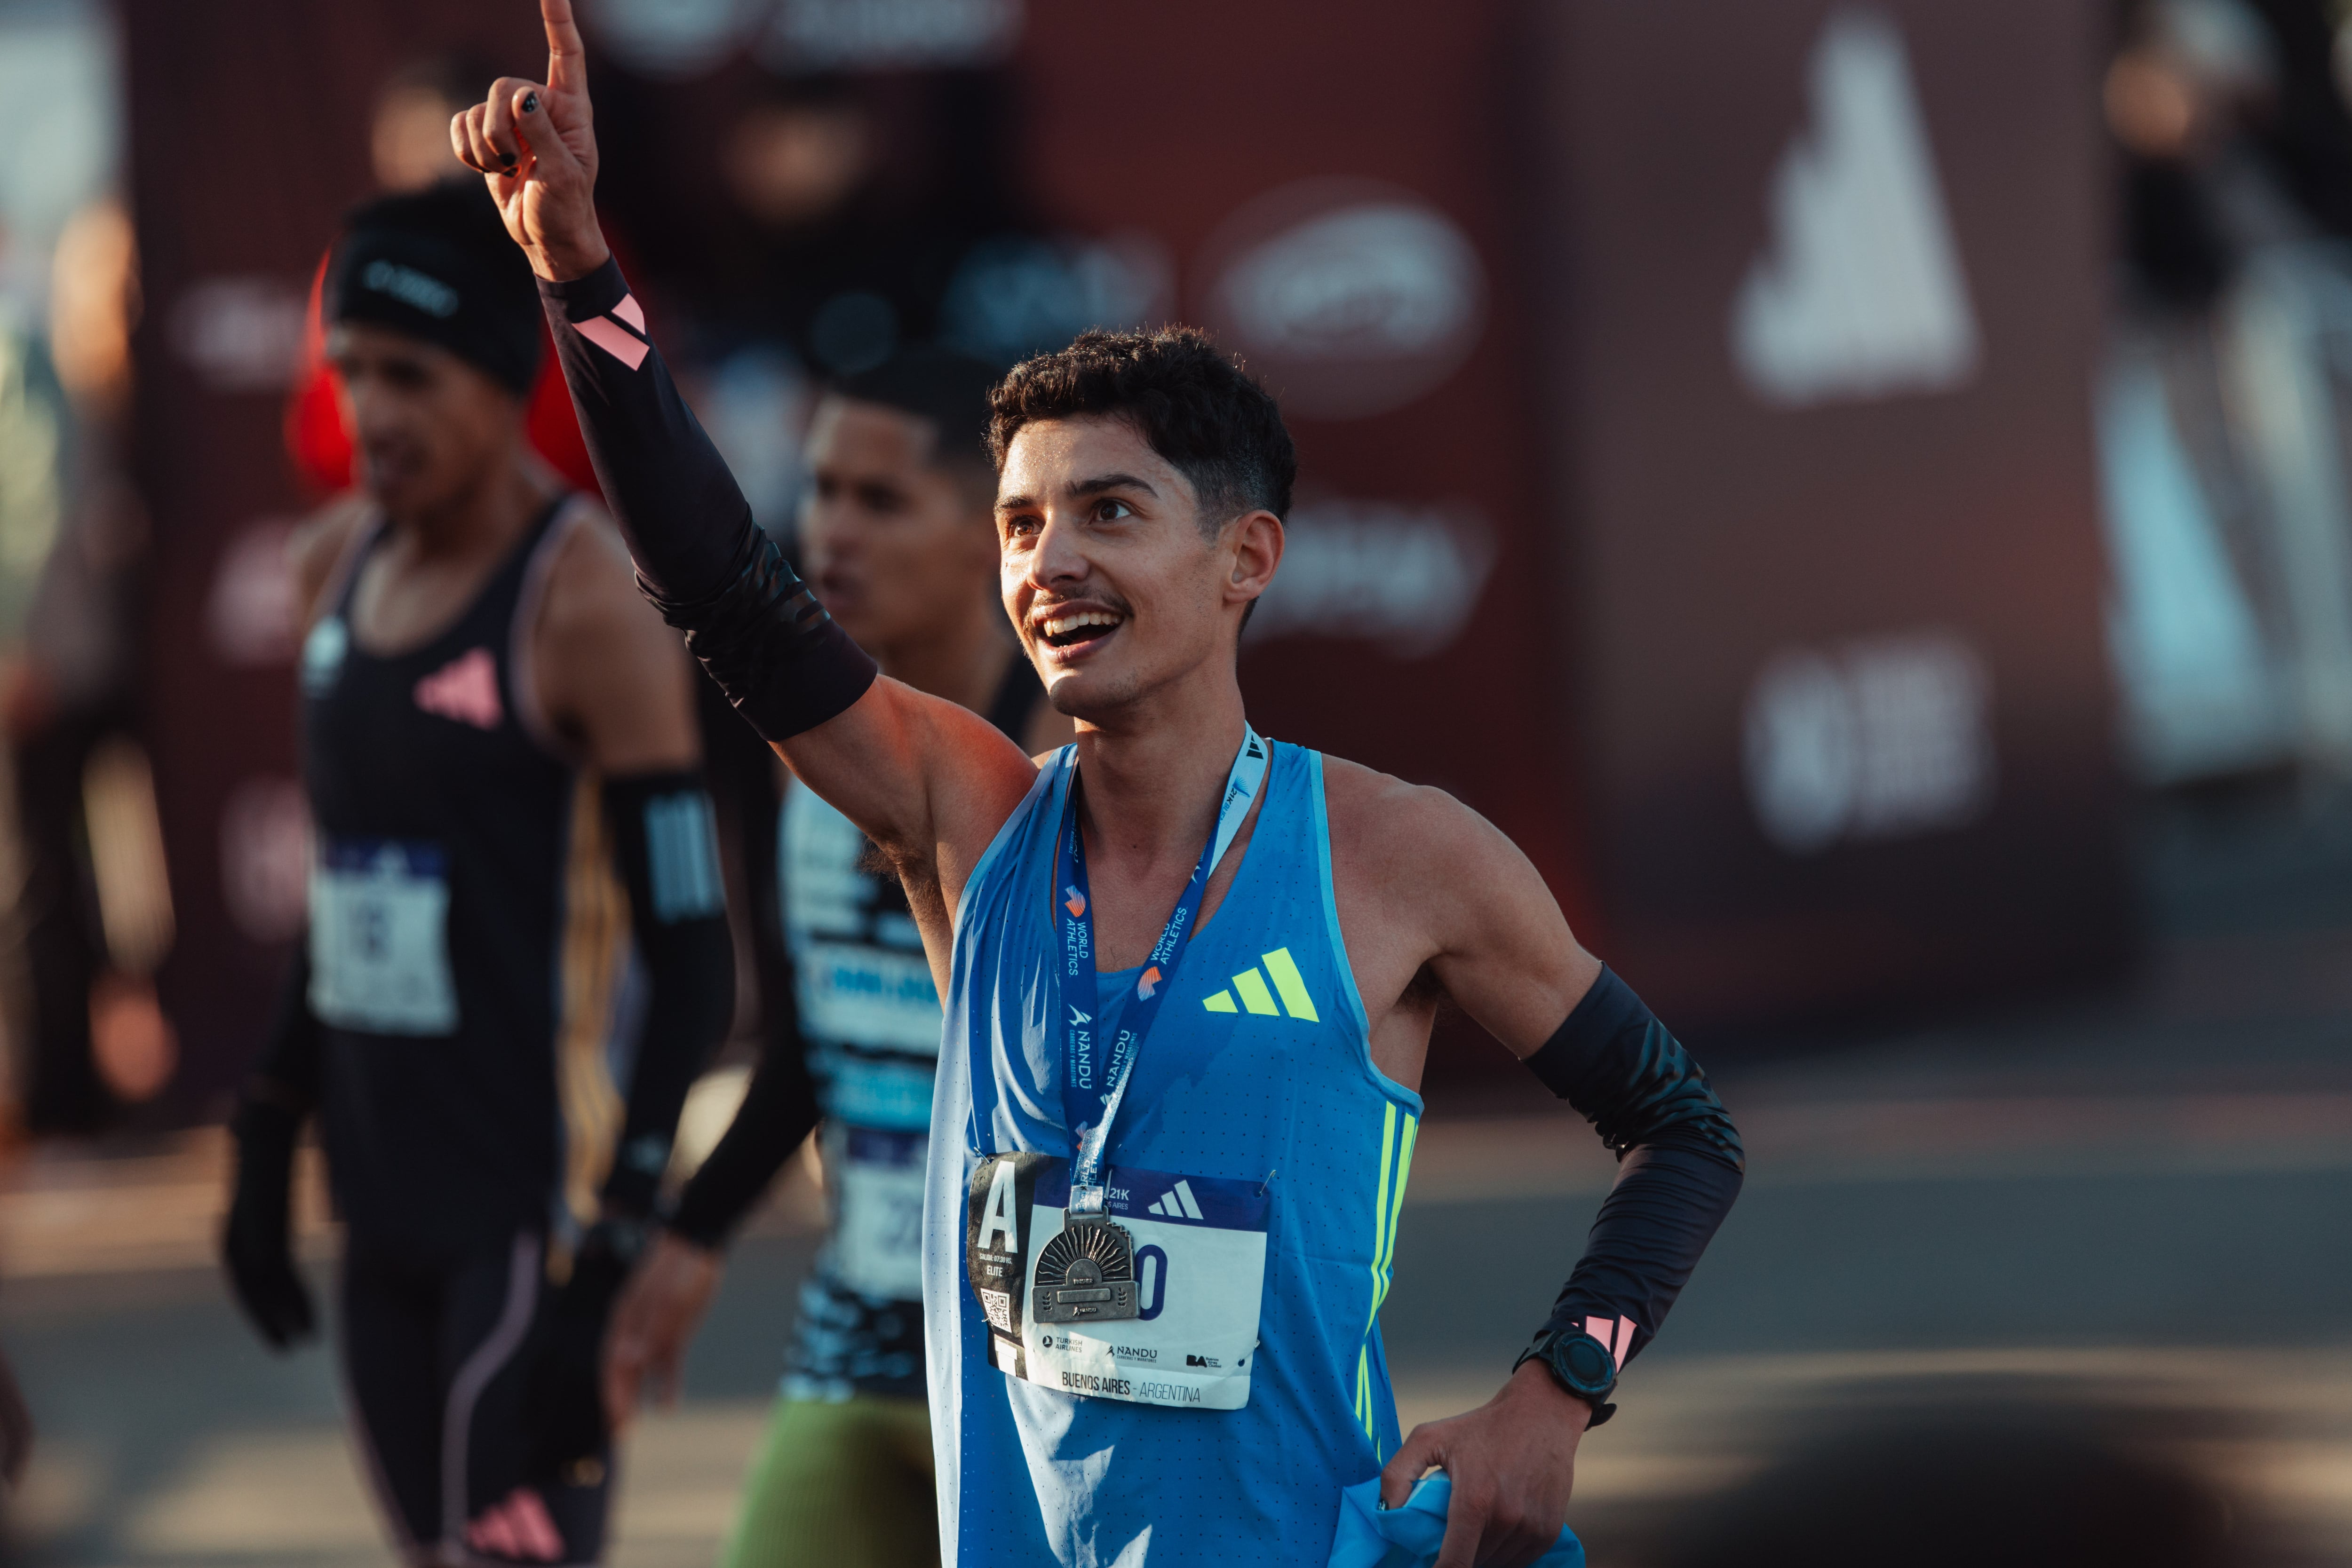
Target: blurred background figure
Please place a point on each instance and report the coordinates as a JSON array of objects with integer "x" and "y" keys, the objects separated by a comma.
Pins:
[
  {"x": 2220, "y": 413},
  {"x": 90, "y": 913},
  {"x": 898, "y": 537},
  {"x": 408, "y": 149}
]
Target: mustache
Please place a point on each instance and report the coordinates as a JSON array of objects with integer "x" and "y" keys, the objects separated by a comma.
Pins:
[{"x": 1044, "y": 608}]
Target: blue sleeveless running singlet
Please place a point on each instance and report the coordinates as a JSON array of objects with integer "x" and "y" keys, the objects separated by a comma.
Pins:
[{"x": 1257, "y": 1069}]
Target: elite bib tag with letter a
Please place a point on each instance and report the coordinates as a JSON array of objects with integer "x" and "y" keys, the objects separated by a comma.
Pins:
[{"x": 1155, "y": 1301}]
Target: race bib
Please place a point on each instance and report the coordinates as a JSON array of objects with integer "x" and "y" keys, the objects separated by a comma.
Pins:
[
  {"x": 1154, "y": 1302},
  {"x": 878, "y": 1236},
  {"x": 380, "y": 938}
]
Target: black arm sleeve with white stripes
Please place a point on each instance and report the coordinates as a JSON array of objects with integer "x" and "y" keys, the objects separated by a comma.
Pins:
[{"x": 666, "y": 851}]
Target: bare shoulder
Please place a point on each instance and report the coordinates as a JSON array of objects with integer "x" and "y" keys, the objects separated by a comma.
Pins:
[
  {"x": 1433, "y": 897},
  {"x": 611, "y": 676},
  {"x": 319, "y": 542},
  {"x": 1384, "y": 827},
  {"x": 592, "y": 589}
]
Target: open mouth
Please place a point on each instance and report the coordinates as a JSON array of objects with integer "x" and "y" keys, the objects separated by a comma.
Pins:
[{"x": 1077, "y": 629}]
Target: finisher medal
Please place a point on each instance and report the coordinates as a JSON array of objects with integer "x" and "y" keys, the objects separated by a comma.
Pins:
[{"x": 1086, "y": 1274}]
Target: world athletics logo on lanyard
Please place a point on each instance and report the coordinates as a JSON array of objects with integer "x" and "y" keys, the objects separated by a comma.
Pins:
[{"x": 1095, "y": 1276}]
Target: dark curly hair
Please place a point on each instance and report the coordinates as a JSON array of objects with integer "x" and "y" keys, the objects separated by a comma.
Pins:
[{"x": 1206, "y": 415}]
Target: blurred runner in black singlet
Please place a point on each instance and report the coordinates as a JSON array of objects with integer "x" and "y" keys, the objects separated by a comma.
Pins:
[
  {"x": 494, "y": 725},
  {"x": 898, "y": 537}
]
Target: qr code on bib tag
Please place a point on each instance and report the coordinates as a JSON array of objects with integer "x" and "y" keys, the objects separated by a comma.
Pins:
[{"x": 998, "y": 1304}]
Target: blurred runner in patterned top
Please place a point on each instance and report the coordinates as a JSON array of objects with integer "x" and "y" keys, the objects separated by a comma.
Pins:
[{"x": 897, "y": 536}]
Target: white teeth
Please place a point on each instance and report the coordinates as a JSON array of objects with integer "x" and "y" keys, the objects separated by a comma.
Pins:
[{"x": 1058, "y": 625}]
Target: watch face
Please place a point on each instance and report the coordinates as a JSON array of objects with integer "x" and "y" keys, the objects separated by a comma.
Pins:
[{"x": 1587, "y": 1364}]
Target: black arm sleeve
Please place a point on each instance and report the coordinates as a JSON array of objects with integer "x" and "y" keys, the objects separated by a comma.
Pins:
[
  {"x": 1680, "y": 1165},
  {"x": 779, "y": 1109},
  {"x": 664, "y": 847},
  {"x": 701, "y": 559}
]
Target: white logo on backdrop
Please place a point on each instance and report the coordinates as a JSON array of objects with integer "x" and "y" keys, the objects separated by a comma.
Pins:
[
  {"x": 1352, "y": 298},
  {"x": 240, "y": 334},
  {"x": 1406, "y": 577},
  {"x": 1860, "y": 294},
  {"x": 1013, "y": 296},
  {"x": 251, "y": 611},
  {"x": 1880, "y": 739}
]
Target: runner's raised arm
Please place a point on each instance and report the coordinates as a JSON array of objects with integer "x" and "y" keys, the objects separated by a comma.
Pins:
[{"x": 879, "y": 751}]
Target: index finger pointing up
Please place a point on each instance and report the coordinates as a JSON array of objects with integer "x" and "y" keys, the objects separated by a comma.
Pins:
[{"x": 567, "y": 56}]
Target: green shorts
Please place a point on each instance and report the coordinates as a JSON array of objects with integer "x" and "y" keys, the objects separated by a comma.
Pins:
[{"x": 846, "y": 1484}]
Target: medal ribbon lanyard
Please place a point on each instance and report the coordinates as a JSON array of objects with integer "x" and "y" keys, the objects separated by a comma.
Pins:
[{"x": 1093, "y": 1086}]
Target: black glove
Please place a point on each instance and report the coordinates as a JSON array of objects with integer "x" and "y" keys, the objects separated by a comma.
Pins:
[
  {"x": 567, "y": 1382},
  {"x": 256, "y": 1246}
]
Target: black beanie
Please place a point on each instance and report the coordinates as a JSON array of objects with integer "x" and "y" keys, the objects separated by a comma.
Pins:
[{"x": 438, "y": 264}]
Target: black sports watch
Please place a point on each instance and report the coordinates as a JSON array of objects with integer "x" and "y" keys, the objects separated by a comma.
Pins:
[{"x": 1578, "y": 1364}]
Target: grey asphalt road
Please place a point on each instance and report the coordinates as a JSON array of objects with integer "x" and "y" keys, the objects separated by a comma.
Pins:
[
  {"x": 2138, "y": 1198},
  {"x": 138, "y": 1377}
]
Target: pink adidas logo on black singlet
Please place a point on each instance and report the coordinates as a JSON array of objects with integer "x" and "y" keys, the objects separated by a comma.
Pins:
[{"x": 464, "y": 689}]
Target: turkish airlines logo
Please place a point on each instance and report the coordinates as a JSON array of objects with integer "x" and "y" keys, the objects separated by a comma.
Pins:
[
  {"x": 1355, "y": 297},
  {"x": 464, "y": 689},
  {"x": 1859, "y": 293}
]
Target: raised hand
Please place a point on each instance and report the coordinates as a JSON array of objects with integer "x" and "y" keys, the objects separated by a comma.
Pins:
[{"x": 535, "y": 145}]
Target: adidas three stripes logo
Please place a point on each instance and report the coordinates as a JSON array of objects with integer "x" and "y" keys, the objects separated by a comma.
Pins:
[
  {"x": 1250, "y": 984},
  {"x": 1177, "y": 1203}
]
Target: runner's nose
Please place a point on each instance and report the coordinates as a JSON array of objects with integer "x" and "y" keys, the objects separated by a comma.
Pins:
[{"x": 1059, "y": 558}]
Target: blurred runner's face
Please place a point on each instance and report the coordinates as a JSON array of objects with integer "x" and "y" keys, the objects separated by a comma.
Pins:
[
  {"x": 895, "y": 548},
  {"x": 1112, "y": 585},
  {"x": 428, "y": 428}
]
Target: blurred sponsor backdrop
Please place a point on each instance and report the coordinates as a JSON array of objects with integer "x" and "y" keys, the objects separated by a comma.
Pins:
[
  {"x": 1856, "y": 488},
  {"x": 1739, "y": 455}
]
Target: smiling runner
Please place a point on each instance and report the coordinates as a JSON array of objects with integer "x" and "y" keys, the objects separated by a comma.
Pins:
[{"x": 1188, "y": 974}]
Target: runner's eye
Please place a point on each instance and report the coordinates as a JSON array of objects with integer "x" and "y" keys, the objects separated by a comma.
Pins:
[{"x": 1109, "y": 510}]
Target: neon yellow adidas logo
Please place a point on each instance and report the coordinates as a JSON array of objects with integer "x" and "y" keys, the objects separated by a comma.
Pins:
[{"x": 1251, "y": 986}]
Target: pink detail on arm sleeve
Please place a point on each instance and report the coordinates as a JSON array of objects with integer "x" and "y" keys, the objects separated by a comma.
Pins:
[{"x": 602, "y": 332}]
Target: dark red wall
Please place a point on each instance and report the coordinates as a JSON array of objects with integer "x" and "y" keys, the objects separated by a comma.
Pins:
[
  {"x": 1172, "y": 121},
  {"x": 1716, "y": 529},
  {"x": 1655, "y": 534}
]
